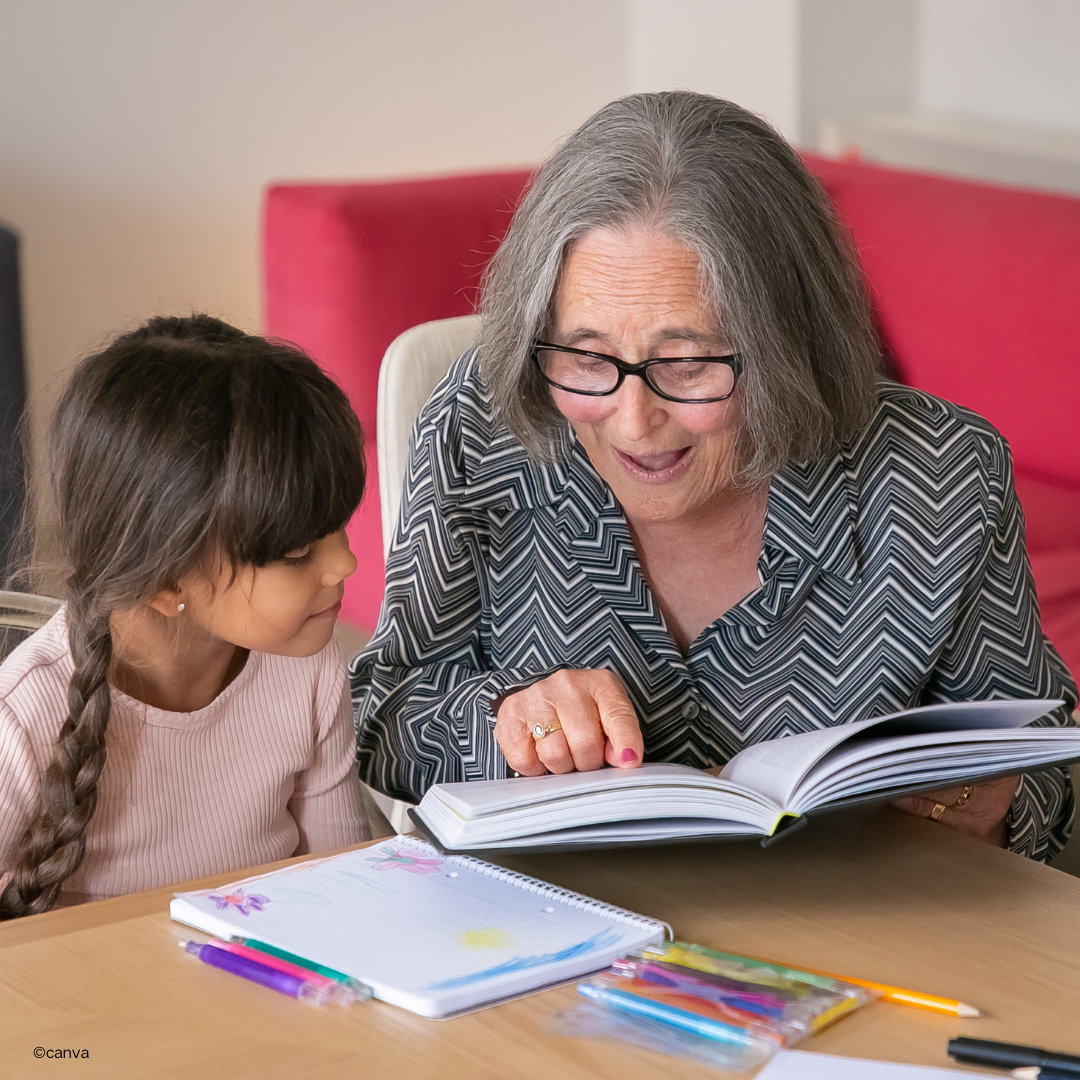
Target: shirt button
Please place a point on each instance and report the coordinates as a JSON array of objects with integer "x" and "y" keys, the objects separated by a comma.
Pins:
[{"x": 690, "y": 710}]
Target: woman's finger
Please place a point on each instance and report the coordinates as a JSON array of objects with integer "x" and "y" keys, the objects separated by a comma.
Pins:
[
  {"x": 554, "y": 752},
  {"x": 624, "y": 744},
  {"x": 922, "y": 805},
  {"x": 515, "y": 739},
  {"x": 580, "y": 721},
  {"x": 982, "y": 814},
  {"x": 593, "y": 720}
]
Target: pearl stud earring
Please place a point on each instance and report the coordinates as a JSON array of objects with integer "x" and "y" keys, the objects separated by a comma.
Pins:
[{"x": 179, "y": 607}]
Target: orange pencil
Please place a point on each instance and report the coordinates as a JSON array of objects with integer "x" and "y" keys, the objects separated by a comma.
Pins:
[{"x": 898, "y": 996}]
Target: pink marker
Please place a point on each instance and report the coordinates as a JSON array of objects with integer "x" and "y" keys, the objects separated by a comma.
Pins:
[{"x": 338, "y": 994}]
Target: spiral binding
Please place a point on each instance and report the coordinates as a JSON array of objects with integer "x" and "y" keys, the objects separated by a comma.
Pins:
[{"x": 538, "y": 887}]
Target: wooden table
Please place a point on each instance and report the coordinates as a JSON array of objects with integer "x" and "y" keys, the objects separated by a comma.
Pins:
[{"x": 881, "y": 895}]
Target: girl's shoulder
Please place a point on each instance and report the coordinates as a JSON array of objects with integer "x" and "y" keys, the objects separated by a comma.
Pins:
[
  {"x": 34, "y": 682},
  {"x": 318, "y": 678},
  {"x": 42, "y": 660}
]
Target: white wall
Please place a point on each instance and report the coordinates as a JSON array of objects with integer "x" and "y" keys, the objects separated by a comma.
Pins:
[
  {"x": 745, "y": 50},
  {"x": 136, "y": 137},
  {"x": 1010, "y": 60},
  {"x": 855, "y": 57}
]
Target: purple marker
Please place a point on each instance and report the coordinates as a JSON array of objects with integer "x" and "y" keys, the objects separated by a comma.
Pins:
[{"x": 246, "y": 968}]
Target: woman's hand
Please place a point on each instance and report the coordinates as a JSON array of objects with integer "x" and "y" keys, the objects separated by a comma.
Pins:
[
  {"x": 982, "y": 815},
  {"x": 593, "y": 719}
]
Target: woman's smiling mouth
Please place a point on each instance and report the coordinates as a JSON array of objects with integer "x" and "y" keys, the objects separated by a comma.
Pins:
[{"x": 656, "y": 468}]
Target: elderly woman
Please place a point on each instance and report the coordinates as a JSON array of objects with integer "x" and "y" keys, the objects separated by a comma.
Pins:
[{"x": 668, "y": 508}]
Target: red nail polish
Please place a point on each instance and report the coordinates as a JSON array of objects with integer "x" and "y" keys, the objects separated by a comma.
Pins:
[{"x": 629, "y": 755}]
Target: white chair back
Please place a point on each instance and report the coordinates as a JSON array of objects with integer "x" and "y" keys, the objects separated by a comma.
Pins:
[
  {"x": 26, "y": 611},
  {"x": 21, "y": 614},
  {"x": 411, "y": 368},
  {"x": 413, "y": 364}
]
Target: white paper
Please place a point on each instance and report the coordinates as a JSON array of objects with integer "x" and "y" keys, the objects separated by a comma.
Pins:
[
  {"x": 428, "y": 933},
  {"x": 802, "y": 1065}
]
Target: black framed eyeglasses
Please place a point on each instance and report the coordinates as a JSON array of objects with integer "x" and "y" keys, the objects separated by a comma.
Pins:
[{"x": 692, "y": 380}]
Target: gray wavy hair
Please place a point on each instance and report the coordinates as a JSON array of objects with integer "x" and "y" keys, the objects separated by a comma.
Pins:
[{"x": 776, "y": 266}]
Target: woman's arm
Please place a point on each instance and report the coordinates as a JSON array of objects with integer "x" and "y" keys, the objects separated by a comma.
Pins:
[
  {"x": 998, "y": 650},
  {"x": 422, "y": 689}
]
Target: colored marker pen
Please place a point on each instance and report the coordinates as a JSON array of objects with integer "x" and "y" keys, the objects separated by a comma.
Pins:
[
  {"x": 625, "y": 1002},
  {"x": 339, "y": 994},
  {"x": 361, "y": 990},
  {"x": 280, "y": 981}
]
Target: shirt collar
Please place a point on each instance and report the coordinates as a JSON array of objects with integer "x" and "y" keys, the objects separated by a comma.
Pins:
[{"x": 811, "y": 513}]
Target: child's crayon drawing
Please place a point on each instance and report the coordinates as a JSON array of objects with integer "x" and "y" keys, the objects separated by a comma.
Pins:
[
  {"x": 410, "y": 863},
  {"x": 523, "y": 963},
  {"x": 485, "y": 938},
  {"x": 240, "y": 903}
]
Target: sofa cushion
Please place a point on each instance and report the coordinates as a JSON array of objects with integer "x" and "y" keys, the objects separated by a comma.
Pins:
[
  {"x": 977, "y": 294},
  {"x": 1051, "y": 511},
  {"x": 348, "y": 267},
  {"x": 1057, "y": 581}
]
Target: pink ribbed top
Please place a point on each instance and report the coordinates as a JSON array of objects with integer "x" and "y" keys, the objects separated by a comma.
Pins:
[{"x": 265, "y": 771}]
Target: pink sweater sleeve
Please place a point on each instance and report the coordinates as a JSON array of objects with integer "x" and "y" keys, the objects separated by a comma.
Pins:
[
  {"x": 326, "y": 799},
  {"x": 18, "y": 789}
]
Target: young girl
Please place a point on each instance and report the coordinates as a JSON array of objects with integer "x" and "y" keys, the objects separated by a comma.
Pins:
[{"x": 183, "y": 713}]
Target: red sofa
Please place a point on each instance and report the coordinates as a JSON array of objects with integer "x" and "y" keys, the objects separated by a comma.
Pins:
[{"x": 976, "y": 291}]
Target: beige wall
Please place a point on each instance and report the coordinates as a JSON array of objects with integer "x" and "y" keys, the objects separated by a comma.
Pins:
[
  {"x": 136, "y": 137},
  {"x": 1016, "y": 61},
  {"x": 743, "y": 50}
]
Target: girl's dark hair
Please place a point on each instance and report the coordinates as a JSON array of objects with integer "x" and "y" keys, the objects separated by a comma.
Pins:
[{"x": 184, "y": 442}]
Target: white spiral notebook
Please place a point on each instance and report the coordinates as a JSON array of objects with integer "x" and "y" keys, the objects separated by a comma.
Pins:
[{"x": 433, "y": 934}]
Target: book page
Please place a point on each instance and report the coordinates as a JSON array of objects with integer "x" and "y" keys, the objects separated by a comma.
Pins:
[
  {"x": 482, "y": 813},
  {"x": 776, "y": 768},
  {"x": 474, "y": 799},
  {"x": 957, "y": 756}
]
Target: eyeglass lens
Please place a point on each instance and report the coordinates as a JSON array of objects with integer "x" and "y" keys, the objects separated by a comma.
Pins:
[{"x": 689, "y": 379}]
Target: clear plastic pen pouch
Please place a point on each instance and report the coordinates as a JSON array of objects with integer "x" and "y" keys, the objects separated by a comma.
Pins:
[
  {"x": 610, "y": 1013},
  {"x": 716, "y": 1008}
]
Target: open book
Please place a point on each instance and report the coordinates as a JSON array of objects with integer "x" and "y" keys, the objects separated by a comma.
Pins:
[{"x": 763, "y": 790}]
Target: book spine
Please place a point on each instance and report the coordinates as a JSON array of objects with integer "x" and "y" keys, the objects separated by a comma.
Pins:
[{"x": 541, "y": 888}]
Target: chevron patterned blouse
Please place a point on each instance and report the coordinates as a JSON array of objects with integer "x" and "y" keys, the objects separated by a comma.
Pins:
[{"x": 894, "y": 574}]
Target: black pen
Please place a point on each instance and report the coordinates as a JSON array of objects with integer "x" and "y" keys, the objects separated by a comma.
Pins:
[{"x": 1008, "y": 1056}]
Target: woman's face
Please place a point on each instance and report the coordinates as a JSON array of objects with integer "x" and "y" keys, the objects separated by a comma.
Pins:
[{"x": 636, "y": 294}]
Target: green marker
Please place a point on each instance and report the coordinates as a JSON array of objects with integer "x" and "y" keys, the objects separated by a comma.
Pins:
[{"x": 361, "y": 990}]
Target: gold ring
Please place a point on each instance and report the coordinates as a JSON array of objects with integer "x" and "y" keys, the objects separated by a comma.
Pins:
[
  {"x": 939, "y": 809},
  {"x": 540, "y": 730},
  {"x": 965, "y": 796}
]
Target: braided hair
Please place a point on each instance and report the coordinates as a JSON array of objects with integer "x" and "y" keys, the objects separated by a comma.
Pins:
[{"x": 183, "y": 442}]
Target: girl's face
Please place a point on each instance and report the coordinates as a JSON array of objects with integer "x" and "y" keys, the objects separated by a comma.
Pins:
[{"x": 287, "y": 607}]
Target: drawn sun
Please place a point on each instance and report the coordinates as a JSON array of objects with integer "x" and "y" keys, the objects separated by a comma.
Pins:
[{"x": 485, "y": 938}]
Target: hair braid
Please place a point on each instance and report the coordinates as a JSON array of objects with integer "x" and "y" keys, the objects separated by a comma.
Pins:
[
  {"x": 69, "y": 793},
  {"x": 182, "y": 443}
]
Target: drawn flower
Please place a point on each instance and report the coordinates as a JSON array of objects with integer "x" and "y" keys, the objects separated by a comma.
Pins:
[
  {"x": 410, "y": 863},
  {"x": 245, "y": 905}
]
